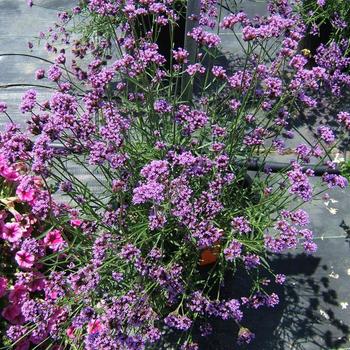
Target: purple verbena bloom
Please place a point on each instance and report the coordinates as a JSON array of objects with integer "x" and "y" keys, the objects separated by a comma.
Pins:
[
  {"x": 3, "y": 107},
  {"x": 157, "y": 170},
  {"x": 310, "y": 247},
  {"x": 162, "y": 106},
  {"x": 28, "y": 101},
  {"x": 241, "y": 224},
  {"x": 251, "y": 261},
  {"x": 40, "y": 74},
  {"x": 272, "y": 300},
  {"x": 300, "y": 217},
  {"x": 149, "y": 192},
  {"x": 280, "y": 278},
  {"x": 334, "y": 180},
  {"x": 54, "y": 73},
  {"x": 130, "y": 252},
  {"x": 179, "y": 322},
  {"x": 326, "y": 134},
  {"x": 233, "y": 251}
]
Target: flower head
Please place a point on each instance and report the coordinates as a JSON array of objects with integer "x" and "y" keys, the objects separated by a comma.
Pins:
[
  {"x": 12, "y": 231},
  {"x": 24, "y": 259},
  {"x": 54, "y": 240}
]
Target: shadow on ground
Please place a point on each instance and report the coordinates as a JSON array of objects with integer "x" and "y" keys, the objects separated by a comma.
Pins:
[{"x": 299, "y": 322}]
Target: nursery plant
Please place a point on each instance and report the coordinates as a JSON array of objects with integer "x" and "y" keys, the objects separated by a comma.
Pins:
[{"x": 140, "y": 261}]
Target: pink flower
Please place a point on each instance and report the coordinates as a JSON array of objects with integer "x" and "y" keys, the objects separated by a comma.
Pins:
[
  {"x": 23, "y": 345},
  {"x": 7, "y": 171},
  {"x": 76, "y": 222},
  {"x": 37, "y": 282},
  {"x": 27, "y": 225},
  {"x": 18, "y": 294},
  {"x": 3, "y": 215},
  {"x": 26, "y": 194},
  {"x": 3, "y": 286},
  {"x": 3, "y": 107},
  {"x": 51, "y": 294},
  {"x": 24, "y": 259},
  {"x": 54, "y": 240},
  {"x": 70, "y": 332},
  {"x": 94, "y": 326},
  {"x": 12, "y": 313},
  {"x": 12, "y": 232}
]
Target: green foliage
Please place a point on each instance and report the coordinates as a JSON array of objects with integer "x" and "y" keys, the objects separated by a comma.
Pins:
[
  {"x": 345, "y": 169},
  {"x": 332, "y": 20}
]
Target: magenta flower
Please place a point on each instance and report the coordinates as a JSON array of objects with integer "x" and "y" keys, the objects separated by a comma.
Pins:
[
  {"x": 76, "y": 222},
  {"x": 3, "y": 107},
  {"x": 12, "y": 313},
  {"x": 18, "y": 294},
  {"x": 70, "y": 332},
  {"x": 94, "y": 326},
  {"x": 26, "y": 194},
  {"x": 7, "y": 171},
  {"x": 23, "y": 345},
  {"x": 24, "y": 259},
  {"x": 12, "y": 232},
  {"x": 3, "y": 286},
  {"x": 54, "y": 240},
  {"x": 40, "y": 74}
]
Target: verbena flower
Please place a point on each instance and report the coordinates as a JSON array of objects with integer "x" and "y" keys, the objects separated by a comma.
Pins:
[{"x": 114, "y": 256}]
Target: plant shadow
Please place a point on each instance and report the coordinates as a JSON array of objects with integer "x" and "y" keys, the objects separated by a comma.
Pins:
[{"x": 298, "y": 322}]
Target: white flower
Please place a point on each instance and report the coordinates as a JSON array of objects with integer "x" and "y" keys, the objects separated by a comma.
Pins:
[
  {"x": 333, "y": 275},
  {"x": 333, "y": 211},
  {"x": 324, "y": 314},
  {"x": 344, "y": 305},
  {"x": 338, "y": 158}
]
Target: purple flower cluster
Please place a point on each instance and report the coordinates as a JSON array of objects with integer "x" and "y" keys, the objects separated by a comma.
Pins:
[
  {"x": 241, "y": 224},
  {"x": 190, "y": 119},
  {"x": 204, "y": 38},
  {"x": 300, "y": 184},
  {"x": 272, "y": 28},
  {"x": 326, "y": 134},
  {"x": 233, "y": 251},
  {"x": 289, "y": 233},
  {"x": 112, "y": 267},
  {"x": 179, "y": 322},
  {"x": 28, "y": 101}
]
